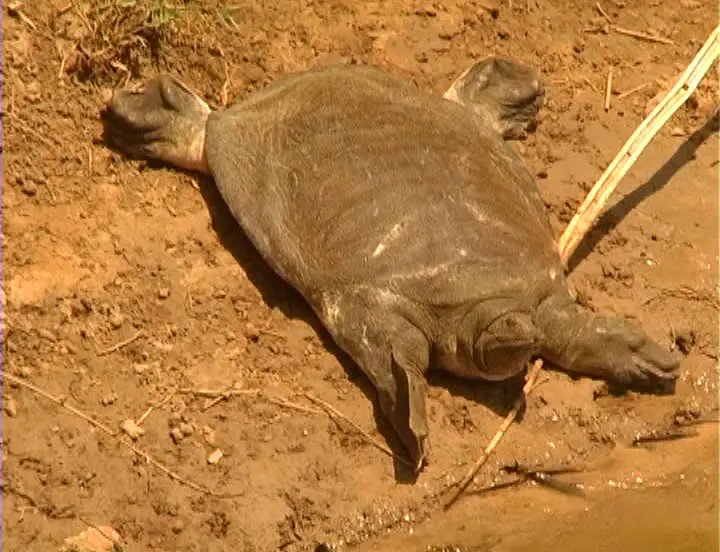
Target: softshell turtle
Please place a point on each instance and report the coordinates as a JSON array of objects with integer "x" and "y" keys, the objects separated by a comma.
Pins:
[{"x": 406, "y": 221}]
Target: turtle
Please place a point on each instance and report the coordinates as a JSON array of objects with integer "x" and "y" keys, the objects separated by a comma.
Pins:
[{"x": 404, "y": 218}]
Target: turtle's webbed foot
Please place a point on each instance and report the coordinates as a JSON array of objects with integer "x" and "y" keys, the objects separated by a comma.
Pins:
[
  {"x": 164, "y": 120},
  {"x": 506, "y": 93},
  {"x": 620, "y": 352}
]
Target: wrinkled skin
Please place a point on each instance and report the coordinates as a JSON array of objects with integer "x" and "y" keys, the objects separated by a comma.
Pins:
[{"x": 418, "y": 237}]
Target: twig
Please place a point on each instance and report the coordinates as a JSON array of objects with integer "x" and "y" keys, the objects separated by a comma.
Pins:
[
  {"x": 149, "y": 459},
  {"x": 632, "y": 149},
  {"x": 162, "y": 403},
  {"x": 530, "y": 384},
  {"x": 603, "y": 12},
  {"x": 632, "y": 91},
  {"x": 335, "y": 414},
  {"x": 59, "y": 401},
  {"x": 608, "y": 89},
  {"x": 15, "y": 9},
  {"x": 122, "y": 344},
  {"x": 222, "y": 395},
  {"x": 589, "y": 83},
  {"x": 642, "y": 36}
]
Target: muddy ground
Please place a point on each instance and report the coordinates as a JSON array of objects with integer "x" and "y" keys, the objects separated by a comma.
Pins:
[{"x": 124, "y": 283}]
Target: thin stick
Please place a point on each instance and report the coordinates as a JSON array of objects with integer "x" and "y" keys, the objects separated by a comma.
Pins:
[
  {"x": 530, "y": 384},
  {"x": 632, "y": 91},
  {"x": 221, "y": 395},
  {"x": 334, "y": 413},
  {"x": 162, "y": 403},
  {"x": 15, "y": 8},
  {"x": 608, "y": 90},
  {"x": 642, "y": 36},
  {"x": 632, "y": 149},
  {"x": 603, "y": 12},
  {"x": 59, "y": 401},
  {"x": 109, "y": 432},
  {"x": 122, "y": 344}
]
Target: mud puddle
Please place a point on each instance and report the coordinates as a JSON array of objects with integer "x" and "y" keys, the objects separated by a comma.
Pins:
[{"x": 628, "y": 504}]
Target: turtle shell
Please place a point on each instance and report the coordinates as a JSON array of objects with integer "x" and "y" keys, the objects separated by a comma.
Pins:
[{"x": 348, "y": 175}]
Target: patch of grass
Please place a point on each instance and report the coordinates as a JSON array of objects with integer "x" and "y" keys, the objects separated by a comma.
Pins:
[{"x": 114, "y": 39}]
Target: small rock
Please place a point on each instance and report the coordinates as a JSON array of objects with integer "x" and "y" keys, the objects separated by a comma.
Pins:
[
  {"x": 29, "y": 188},
  {"x": 186, "y": 429},
  {"x": 133, "y": 430},
  {"x": 251, "y": 332},
  {"x": 10, "y": 407},
  {"x": 23, "y": 372},
  {"x": 140, "y": 368},
  {"x": 677, "y": 131},
  {"x": 209, "y": 435},
  {"x": 101, "y": 539},
  {"x": 46, "y": 334},
  {"x": 176, "y": 434},
  {"x": 215, "y": 457},
  {"x": 174, "y": 419},
  {"x": 599, "y": 389},
  {"x": 177, "y": 526},
  {"x": 116, "y": 320},
  {"x": 164, "y": 293},
  {"x": 109, "y": 399}
]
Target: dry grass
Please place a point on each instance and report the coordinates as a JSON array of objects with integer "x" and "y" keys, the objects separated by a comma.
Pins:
[{"x": 112, "y": 40}]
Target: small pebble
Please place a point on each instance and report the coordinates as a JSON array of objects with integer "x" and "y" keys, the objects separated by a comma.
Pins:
[
  {"x": 164, "y": 293},
  {"x": 209, "y": 435},
  {"x": 132, "y": 429},
  {"x": 174, "y": 419},
  {"x": 677, "y": 131},
  {"x": 109, "y": 399},
  {"x": 24, "y": 372},
  {"x": 29, "y": 188},
  {"x": 10, "y": 407},
  {"x": 140, "y": 368},
  {"x": 215, "y": 457},
  {"x": 251, "y": 332},
  {"x": 176, "y": 435},
  {"x": 178, "y": 526},
  {"x": 116, "y": 320},
  {"x": 186, "y": 429}
]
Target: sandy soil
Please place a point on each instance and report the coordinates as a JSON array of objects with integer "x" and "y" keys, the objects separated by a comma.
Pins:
[{"x": 124, "y": 283}]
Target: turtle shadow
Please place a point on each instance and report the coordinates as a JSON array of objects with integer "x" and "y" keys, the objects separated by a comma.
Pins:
[
  {"x": 612, "y": 217},
  {"x": 277, "y": 293}
]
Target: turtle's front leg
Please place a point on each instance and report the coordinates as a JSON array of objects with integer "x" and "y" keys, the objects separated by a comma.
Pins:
[
  {"x": 162, "y": 120},
  {"x": 608, "y": 348}
]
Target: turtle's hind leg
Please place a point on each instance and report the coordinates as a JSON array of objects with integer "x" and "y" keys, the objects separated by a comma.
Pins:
[
  {"x": 394, "y": 353},
  {"x": 164, "y": 121}
]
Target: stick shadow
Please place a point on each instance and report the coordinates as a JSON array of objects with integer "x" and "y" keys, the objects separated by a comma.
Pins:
[{"x": 612, "y": 217}]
